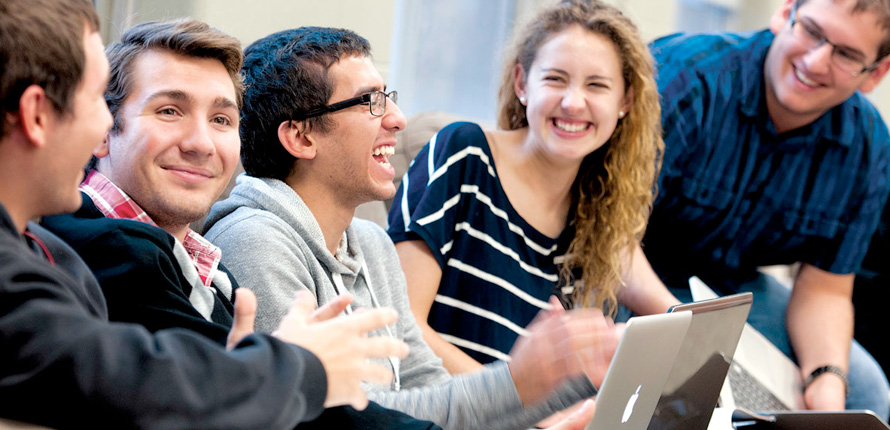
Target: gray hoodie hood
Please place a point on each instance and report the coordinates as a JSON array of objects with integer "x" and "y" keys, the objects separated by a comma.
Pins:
[
  {"x": 280, "y": 199},
  {"x": 273, "y": 245}
]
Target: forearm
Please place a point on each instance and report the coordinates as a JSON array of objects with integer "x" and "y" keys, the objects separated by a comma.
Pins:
[
  {"x": 820, "y": 327},
  {"x": 453, "y": 358},
  {"x": 119, "y": 375},
  {"x": 643, "y": 292},
  {"x": 484, "y": 399}
]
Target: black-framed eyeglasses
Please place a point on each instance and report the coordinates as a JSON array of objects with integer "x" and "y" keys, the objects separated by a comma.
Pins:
[
  {"x": 376, "y": 101},
  {"x": 842, "y": 57}
]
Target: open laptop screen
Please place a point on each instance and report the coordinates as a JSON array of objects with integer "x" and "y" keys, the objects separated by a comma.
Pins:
[{"x": 691, "y": 391}]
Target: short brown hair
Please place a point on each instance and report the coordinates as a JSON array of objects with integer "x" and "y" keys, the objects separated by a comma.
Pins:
[
  {"x": 881, "y": 8},
  {"x": 41, "y": 43},
  {"x": 186, "y": 37}
]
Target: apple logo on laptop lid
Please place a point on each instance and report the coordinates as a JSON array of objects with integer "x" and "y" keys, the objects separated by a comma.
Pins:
[{"x": 629, "y": 409}]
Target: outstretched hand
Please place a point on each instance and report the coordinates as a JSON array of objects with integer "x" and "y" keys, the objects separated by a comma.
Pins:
[
  {"x": 561, "y": 344},
  {"x": 342, "y": 345},
  {"x": 578, "y": 419},
  {"x": 245, "y": 315}
]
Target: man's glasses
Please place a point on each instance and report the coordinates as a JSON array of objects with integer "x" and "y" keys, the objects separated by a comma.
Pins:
[
  {"x": 844, "y": 58},
  {"x": 376, "y": 101}
]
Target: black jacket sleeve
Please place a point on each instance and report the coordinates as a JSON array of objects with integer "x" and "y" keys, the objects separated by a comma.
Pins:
[
  {"x": 138, "y": 272},
  {"x": 65, "y": 367}
]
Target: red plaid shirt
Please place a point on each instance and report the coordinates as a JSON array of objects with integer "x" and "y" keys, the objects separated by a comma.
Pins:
[{"x": 115, "y": 203}]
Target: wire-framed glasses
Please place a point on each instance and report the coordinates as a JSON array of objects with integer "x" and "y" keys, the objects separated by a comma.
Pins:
[{"x": 842, "y": 57}]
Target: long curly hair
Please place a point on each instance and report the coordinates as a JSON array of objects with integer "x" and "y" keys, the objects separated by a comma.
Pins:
[{"x": 615, "y": 186}]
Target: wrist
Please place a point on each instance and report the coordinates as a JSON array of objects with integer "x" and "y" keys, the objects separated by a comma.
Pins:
[{"x": 828, "y": 369}]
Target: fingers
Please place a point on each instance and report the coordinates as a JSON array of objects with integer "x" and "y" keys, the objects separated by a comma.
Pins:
[
  {"x": 376, "y": 373},
  {"x": 302, "y": 307},
  {"x": 245, "y": 314},
  {"x": 332, "y": 308},
  {"x": 372, "y": 319},
  {"x": 579, "y": 419},
  {"x": 555, "y": 306},
  {"x": 384, "y": 347}
]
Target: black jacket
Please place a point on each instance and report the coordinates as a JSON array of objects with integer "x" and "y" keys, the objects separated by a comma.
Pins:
[
  {"x": 143, "y": 284},
  {"x": 63, "y": 365}
]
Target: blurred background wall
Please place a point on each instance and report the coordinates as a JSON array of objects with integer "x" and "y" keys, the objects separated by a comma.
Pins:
[{"x": 443, "y": 55}]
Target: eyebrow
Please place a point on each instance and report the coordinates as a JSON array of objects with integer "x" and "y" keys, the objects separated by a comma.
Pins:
[
  {"x": 177, "y": 95},
  {"x": 368, "y": 89},
  {"x": 563, "y": 72},
  {"x": 224, "y": 103},
  {"x": 170, "y": 94},
  {"x": 847, "y": 48}
]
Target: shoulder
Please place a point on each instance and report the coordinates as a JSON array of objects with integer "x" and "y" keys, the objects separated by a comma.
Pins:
[
  {"x": 694, "y": 50},
  {"x": 456, "y": 138},
  {"x": 245, "y": 222},
  {"x": 370, "y": 234},
  {"x": 865, "y": 115},
  {"x": 687, "y": 60},
  {"x": 106, "y": 236}
]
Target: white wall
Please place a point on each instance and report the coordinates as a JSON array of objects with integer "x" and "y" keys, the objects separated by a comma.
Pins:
[
  {"x": 251, "y": 20},
  {"x": 376, "y": 19}
]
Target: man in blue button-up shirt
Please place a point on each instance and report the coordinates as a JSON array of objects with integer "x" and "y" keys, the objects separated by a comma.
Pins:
[{"x": 773, "y": 156}]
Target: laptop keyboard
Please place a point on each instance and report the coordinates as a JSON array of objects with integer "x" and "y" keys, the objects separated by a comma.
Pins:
[{"x": 750, "y": 394}]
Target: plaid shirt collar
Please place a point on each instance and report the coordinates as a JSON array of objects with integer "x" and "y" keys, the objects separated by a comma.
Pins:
[{"x": 115, "y": 203}]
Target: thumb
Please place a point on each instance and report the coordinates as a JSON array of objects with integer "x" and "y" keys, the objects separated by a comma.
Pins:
[
  {"x": 245, "y": 314},
  {"x": 301, "y": 310},
  {"x": 578, "y": 420}
]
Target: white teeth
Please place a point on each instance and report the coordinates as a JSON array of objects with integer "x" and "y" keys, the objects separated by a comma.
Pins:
[
  {"x": 385, "y": 164},
  {"x": 571, "y": 128},
  {"x": 804, "y": 79},
  {"x": 384, "y": 150}
]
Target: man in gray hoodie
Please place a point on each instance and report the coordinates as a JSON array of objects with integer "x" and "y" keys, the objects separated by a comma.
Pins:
[{"x": 317, "y": 128}]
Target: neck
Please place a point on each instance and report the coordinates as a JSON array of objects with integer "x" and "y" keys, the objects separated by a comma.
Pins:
[
  {"x": 333, "y": 216},
  {"x": 179, "y": 232},
  {"x": 18, "y": 195},
  {"x": 552, "y": 178},
  {"x": 19, "y": 216}
]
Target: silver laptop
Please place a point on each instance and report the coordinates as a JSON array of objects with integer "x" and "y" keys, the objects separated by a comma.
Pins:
[
  {"x": 761, "y": 377},
  {"x": 691, "y": 392},
  {"x": 639, "y": 369}
]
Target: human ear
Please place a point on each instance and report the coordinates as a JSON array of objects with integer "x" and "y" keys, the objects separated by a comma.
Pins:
[
  {"x": 101, "y": 150},
  {"x": 296, "y": 141},
  {"x": 628, "y": 101},
  {"x": 35, "y": 114},
  {"x": 780, "y": 16},
  {"x": 875, "y": 76},
  {"x": 519, "y": 84}
]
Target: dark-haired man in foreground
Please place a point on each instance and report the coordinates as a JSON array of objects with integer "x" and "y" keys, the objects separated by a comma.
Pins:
[{"x": 57, "y": 348}]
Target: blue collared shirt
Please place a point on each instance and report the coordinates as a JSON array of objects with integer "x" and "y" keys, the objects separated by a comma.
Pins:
[{"x": 733, "y": 193}]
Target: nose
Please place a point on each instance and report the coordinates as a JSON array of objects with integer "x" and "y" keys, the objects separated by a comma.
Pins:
[
  {"x": 818, "y": 58},
  {"x": 394, "y": 119},
  {"x": 197, "y": 139},
  {"x": 573, "y": 100}
]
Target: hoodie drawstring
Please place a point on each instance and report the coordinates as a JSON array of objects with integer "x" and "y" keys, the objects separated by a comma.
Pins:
[{"x": 339, "y": 287}]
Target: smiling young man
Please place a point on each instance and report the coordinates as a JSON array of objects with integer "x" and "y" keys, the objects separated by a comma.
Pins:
[
  {"x": 57, "y": 348},
  {"x": 318, "y": 125},
  {"x": 174, "y": 93},
  {"x": 773, "y": 156}
]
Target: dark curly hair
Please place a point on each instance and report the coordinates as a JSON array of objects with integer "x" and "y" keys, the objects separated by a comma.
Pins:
[{"x": 285, "y": 74}]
